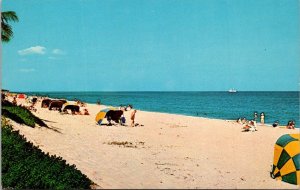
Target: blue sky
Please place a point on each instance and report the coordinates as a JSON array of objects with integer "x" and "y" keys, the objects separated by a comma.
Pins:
[{"x": 152, "y": 45}]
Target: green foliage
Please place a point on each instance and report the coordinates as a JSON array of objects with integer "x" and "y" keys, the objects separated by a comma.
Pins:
[
  {"x": 6, "y": 30},
  {"x": 20, "y": 115},
  {"x": 25, "y": 166}
]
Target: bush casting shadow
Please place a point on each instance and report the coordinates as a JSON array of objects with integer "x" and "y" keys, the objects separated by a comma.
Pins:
[
  {"x": 21, "y": 115},
  {"x": 25, "y": 166}
]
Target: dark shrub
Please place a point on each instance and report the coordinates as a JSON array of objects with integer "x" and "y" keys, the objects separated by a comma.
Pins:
[
  {"x": 20, "y": 115},
  {"x": 25, "y": 166}
]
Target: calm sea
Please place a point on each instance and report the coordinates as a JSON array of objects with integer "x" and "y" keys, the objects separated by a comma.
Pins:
[{"x": 282, "y": 106}]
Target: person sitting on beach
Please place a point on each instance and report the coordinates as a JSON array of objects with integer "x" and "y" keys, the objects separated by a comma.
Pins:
[
  {"x": 250, "y": 126},
  {"x": 275, "y": 124},
  {"x": 14, "y": 102},
  {"x": 246, "y": 127},
  {"x": 239, "y": 120},
  {"x": 291, "y": 125},
  {"x": 31, "y": 107},
  {"x": 34, "y": 101},
  {"x": 129, "y": 107},
  {"x": 122, "y": 120},
  {"x": 132, "y": 117},
  {"x": 244, "y": 120},
  {"x": 98, "y": 102},
  {"x": 86, "y": 112}
]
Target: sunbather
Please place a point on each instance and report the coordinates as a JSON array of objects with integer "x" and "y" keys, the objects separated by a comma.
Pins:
[
  {"x": 250, "y": 126},
  {"x": 291, "y": 125},
  {"x": 86, "y": 112}
]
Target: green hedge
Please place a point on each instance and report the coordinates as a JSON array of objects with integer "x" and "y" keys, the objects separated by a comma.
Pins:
[
  {"x": 25, "y": 166},
  {"x": 20, "y": 115}
]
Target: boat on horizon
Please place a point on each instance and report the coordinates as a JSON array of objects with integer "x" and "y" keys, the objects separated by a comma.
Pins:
[{"x": 232, "y": 90}]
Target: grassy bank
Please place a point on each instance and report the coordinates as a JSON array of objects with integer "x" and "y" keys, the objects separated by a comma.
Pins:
[
  {"x": 20, "y": 115},
  {"x": 25, "y": 166}
]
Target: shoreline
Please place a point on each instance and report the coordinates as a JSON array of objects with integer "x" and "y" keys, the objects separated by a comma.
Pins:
[
  {"x": 211, "y": 118},
  {"x": 162, "y": 112},
  {"x": 168, "y": 151},
  {"x": 228, "y": 115}
]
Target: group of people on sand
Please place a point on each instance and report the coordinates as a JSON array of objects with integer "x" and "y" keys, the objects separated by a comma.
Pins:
[
  {"x": 74, "y": 112},
  {"x": 121, "y": 118},
  {"x": 31, "y": 102},
  {"x": 118, "y": 117},
  {"x": 132, "y": 115},
  {"x": 247, "y": 125},
  {"x": 290, "y": 124},
  {"x": 252, "y": 124},
  {"x": 80, "y": 103}
]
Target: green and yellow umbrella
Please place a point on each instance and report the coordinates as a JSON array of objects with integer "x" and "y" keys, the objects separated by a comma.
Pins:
[{"x": 286, "y": 164}]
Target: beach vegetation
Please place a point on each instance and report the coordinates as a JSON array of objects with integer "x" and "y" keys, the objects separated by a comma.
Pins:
[
  {"x": 25, "y": 166},
  {"x": 20, "y": 115},
  {"x": 6, "y": 29}
]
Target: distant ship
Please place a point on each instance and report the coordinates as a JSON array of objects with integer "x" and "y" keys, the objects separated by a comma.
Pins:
[{"x": 232, "y": 90}]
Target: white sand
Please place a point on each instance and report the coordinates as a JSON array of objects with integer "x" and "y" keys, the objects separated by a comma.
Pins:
[{"x": 172, "y": 151}]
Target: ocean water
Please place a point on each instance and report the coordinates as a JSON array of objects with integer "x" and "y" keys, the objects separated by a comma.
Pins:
[{"x": 282, "y": 106}]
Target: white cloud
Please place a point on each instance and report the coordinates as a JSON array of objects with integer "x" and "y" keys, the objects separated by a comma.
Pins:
[
  {"x": 27, "y": 70},
  {"x": 33, "y": 50},
  {"x": 58, "y": 52}
]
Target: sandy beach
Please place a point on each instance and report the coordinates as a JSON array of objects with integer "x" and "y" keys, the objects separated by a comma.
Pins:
[{"x": 168, "y": 151}]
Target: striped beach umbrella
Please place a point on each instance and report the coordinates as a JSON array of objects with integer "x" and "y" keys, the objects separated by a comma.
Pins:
[{"x": 286, "y": 164}]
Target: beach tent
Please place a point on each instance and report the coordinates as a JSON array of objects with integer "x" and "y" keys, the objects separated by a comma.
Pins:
[
  {"x": 71, "y": 107},
  {"x": 101, "y": 115},
  {"x": 21, "y": 96},
  {"x": 57, "y": 104},
  {"x": 286, "y": 164},
  {"x": 45, "y": 103}
]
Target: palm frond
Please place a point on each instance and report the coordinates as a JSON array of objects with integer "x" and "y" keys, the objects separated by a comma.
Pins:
[
  {"x": 9, "y": 16},
  {"x": 4, "y": 38},
  {"x": 6, "y": 30}
]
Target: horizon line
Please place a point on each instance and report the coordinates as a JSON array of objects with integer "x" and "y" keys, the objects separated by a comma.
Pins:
[{"x": 154, "y": 91}]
